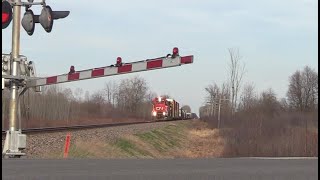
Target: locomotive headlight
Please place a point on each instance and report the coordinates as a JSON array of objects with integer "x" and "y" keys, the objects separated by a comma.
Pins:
[
  {"x": 154, "y": 113},
  {"x": 164, "y": 113}
]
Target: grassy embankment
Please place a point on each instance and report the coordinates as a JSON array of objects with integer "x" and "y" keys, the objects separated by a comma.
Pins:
[
  {"x": 194, "y": 140},
  {"x": 159, "y": 143}
]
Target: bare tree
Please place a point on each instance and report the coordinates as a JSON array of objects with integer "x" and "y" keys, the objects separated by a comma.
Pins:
[
  {"x": 303, "y": 90},
  {"x": 150, "y": 95},
  {"x": 78, "y": 94},
  {"x": 225, "y": 90},
  {"x": 87, "y": 96},
  {"x": 132, "y": 92},
  {"x": 213, "y": 92},
  {"x": 236, "y": 70},
  {"x": 269, "y": 102},
  {"x": 110, "y": 91},
  {"x": 248, "y": 97}
]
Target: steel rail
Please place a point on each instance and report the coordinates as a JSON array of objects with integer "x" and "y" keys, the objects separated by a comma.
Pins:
[{"x": 91, "y": 126}]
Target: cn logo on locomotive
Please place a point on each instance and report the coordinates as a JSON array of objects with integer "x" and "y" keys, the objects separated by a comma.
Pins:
[{"x": 159, "y": 108}]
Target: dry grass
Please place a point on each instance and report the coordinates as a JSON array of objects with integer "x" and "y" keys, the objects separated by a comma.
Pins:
[
  {"x": 197, "y": 140},
  {"x": 87, "y": 149},
  {"x": 239, "y": 142},
  {"x": 202, "y": 142}
]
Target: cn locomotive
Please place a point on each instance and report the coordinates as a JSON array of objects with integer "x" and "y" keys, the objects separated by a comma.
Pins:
[{"x": 164, "y": 108}]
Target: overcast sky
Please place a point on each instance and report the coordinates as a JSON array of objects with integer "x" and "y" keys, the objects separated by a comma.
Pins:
[{"x": 275, "y": 38}]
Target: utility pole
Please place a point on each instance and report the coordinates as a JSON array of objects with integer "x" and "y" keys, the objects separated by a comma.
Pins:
[{"x": 219, "y": 109}]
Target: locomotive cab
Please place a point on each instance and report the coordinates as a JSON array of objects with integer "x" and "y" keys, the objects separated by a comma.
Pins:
[
  {"x": 159, "y": 108},
  {"x": 165, "y": 108}
]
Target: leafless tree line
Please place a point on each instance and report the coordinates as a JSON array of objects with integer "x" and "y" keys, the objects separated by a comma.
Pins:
[
  {"x": 127, "y": 99},
  {"x": 303, "y": 90},
  {"x": 261, "y": 123},
  {"x": 236, "y": 72},
  {"x": 302, "y": 94}
]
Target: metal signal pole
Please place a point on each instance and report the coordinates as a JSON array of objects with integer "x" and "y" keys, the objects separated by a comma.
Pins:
[
  {"x": 14, "y": 86},
  {"x": 15, "y": 141}
]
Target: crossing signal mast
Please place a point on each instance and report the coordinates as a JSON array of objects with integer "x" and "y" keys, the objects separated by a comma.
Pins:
[
  {"x": 16, "y": 69},
  {"x": 19, "y": 74}
]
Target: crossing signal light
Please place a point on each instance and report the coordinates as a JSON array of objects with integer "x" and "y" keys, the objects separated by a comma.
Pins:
[
  {"x": 119, "y": 61},
  {"x": 6, "y": 14},
  {"x": 72, "y": 70},
  {"x": 47, "y": 16},
  {"x": 175, "y": 52},
  {"x": 28, "y": 22},
  {"x": 46, "y": 19}
]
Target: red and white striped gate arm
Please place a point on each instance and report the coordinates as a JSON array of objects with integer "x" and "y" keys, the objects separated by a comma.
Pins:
[{"x": 146, "y": 65}]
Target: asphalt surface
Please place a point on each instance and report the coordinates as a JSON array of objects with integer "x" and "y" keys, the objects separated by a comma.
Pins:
[{"x": 177, "y": 169}]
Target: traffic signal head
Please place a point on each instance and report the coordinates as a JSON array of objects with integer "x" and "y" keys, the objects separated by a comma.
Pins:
[{"x": 6, "y": 14}]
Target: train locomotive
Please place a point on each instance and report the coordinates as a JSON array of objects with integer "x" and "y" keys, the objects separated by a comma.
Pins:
[{"x": 166, "y": 109}]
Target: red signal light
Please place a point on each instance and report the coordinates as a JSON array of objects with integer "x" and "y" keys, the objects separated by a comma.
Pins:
[
  {"x": 6, "y": 14},
  {"x": 72, "y": 70},
  {"x": 5, "y": 17},
  {"x": 119, "y": 60},
  {"x": 175, "y": 51}
]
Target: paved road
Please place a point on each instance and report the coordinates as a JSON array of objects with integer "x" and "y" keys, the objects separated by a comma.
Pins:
[{"x": 207, "y": 169}]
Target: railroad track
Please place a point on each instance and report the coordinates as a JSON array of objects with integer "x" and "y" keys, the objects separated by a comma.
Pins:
[{"x": 91, "y": 126}]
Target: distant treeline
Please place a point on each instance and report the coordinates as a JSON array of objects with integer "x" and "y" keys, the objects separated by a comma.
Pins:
[
  {"x": 264, "y": 125},
  {"x": 127, "y": 99}
]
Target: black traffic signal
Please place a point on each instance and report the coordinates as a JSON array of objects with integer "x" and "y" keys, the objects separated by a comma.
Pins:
[
  {"x": 6, "y": 14},
  {"x": 45, "y": 19}
]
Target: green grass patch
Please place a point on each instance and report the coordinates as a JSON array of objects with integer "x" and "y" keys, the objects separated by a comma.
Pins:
[
  {"x": 165, "y": 138},
  {"x": 130, "y": 148}
]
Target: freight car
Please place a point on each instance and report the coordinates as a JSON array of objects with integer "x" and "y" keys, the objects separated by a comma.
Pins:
[{"x": 166, "y": 108}]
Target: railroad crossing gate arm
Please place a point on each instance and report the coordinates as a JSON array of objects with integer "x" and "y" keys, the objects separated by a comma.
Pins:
[{"x": 145, "y": 65}]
